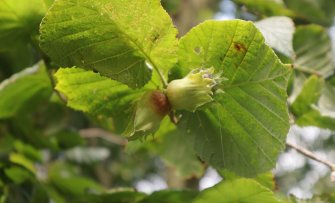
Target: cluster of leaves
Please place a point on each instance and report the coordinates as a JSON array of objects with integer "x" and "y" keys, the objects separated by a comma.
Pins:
[{"x": 100, "y": 57}]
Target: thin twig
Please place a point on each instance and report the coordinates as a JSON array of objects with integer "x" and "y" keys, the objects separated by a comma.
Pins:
[
  {"x": 100, "y": 133},
  {"x": 311, "y": 155}
]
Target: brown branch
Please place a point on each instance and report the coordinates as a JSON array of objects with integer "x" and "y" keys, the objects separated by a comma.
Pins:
[
  {"x": 100, "y": 133},
  {"x": 311, "y": 155}
]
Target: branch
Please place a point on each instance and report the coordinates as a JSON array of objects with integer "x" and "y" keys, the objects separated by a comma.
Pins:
[
  {"x": 311, "y": 155},
  {"x": 99, "y": 133}
]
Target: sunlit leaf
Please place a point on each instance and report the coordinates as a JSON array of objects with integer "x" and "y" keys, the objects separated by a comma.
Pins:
[
  {"x": 239, "y": 190},
  {"x": 245, "y": 128},
  {"x": 122, "y": 40},
  {"x": 92, "y": 93}
]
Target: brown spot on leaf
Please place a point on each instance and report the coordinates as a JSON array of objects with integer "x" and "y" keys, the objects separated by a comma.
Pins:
[
  {"x": 197, "y": 50},
  {"x": 240, "y": 47}
]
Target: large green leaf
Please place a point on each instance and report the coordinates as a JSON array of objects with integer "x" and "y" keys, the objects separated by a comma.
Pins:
[
  {"x": 245, "y": 128},
  {"x": 313, "y": 49},
  {"x": 24, "y": 90},
  {"x": 92, "y": 93},
  {"x": 19, "y": 20},
  {"x": 237, "y": 191},
  {"x": 122, "y": 40}
]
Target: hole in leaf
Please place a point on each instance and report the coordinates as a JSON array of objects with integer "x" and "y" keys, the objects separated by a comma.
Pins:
[{"x": 155, "y": 37}]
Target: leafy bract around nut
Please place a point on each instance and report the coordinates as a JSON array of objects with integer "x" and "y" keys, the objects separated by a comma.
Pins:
[
  {"x": 149, "y": 111},
  {"x": 192, "y": 91}
]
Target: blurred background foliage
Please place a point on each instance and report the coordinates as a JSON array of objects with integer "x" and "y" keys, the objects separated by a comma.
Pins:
[{"x": 51, "y": 153}]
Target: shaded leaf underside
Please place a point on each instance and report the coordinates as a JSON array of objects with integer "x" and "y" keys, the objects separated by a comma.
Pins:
[{"x": 313, "y": 49}]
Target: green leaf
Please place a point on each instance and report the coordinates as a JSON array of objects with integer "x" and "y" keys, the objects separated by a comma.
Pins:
[
  {"x": 315, "y": 118},
  {"x": 18, "y": 174},
  {"x": 9, "y": 63},
  {"x": 27, "y": 88},
  {"x": 68, "y": 139},
  {"x": 67, "y": 180},
  {"x": 170, "y": 196},
  {"x": 23, "y": 161},
  {"x": 28, "y": 151},
  {"x": 309, "y": 95},
  {"x": 19, "y": 20},
  {"x": 278, "y": 33},
  {"x": 114, "y": 197},
  {"x": 240, "y": 190},
  {"x": 266, "y": 7},
  {"x": 92, "y": 93},
  {"x": 315, "y": 11},
  {"x": 306, "y": 106},
  {"x": 313, "y": 49},
  {"x": 177, "y": 152},
  {"x": 265, "y": 179},
  {"x": 245, "y": 128},
  {"x": 122, "y": 40}
]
